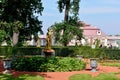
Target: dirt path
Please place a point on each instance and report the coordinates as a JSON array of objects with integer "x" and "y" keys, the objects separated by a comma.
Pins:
[{"x": 66, "y": 75}]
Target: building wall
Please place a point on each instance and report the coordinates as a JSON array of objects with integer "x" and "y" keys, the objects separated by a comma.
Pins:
[{"x": 91, "y": 33}]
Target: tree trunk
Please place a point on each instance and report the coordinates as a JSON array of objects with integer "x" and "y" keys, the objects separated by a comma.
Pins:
[
  {"x": 66, "y": 16},
  {"x": 67, "y": 11},
  {"x": 15, "y": 38}
]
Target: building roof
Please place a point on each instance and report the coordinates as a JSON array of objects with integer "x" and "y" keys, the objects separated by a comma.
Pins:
[{"x": 89, "y": 30}]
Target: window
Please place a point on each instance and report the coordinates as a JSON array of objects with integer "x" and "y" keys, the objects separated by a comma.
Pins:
[{"x": 98, "y": 32}]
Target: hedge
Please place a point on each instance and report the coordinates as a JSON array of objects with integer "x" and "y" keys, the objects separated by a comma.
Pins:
[
  {"x": 20, "y": 51},
  {"x": 86, "y": 51}
]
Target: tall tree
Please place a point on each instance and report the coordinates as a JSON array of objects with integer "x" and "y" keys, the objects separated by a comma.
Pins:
[
  {"x": 70, "y": 27},
  {"x": 24, "y": 11},
  {"x": 70, "y": 6}
]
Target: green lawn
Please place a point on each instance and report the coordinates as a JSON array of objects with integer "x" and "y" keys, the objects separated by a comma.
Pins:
[
  {"x": 109, "y": 76},
  {"x": 22, "y": 77},
  {"x": 116, "y": 64}
]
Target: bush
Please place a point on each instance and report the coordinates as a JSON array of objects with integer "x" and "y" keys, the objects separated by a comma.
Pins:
[
  {"x": 21, "y": 51},
  {"x": 2, "y": 36},
  {"x": 42, "y": 64},
  {"x": 86, "y": 51},
  {"x": 113, "y": 54}
]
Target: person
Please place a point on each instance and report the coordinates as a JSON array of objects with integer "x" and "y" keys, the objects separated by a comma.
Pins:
[{"x": 49, "y": 39}]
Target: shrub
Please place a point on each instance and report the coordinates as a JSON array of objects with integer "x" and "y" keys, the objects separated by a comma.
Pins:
[
  {"x": 42, "y": 64},
  {"x": 86, "y": 51},
  {"x": 113, "y": 54},
  {"x": 2, "y": 36}
]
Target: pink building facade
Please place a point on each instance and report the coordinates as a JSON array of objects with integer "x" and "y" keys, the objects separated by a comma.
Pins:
[{"x": 91, "y": 33}]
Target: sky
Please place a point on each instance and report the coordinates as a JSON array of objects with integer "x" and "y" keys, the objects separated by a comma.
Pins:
[{"x": 104, "y": 14}]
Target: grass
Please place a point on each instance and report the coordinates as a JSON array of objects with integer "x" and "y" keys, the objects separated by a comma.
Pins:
[
  {"x": 108, "y": 76},
  {"x": 22, "y": 77},
  {"x": 80, "y": 77},
  {"x": 115, "y": 64}
]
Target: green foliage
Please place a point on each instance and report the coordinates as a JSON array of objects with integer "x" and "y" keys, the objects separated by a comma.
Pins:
[
  {"x": 6, "y": 77},
  {"x": 113, "y": 63},
  {"x": 69, "y": 30},
  {"x": 54, "y": 64},
  {"x": 70, "y": 6},
  {"x": 21, "y": 77},
  {"x": 10, "y": 28},
  {"x": 24, "y": 11},
  {"x": 86, "y": 51},
  {"x": 74, "y": 8},
  {"x": 69, "y": 27},
  {"x": 80, "y": 77},
  {"x": 113, "y": 54},
  {"x": 63, "y": 51},
  {"x": 17, "y": 25},
  {"x": 19, "y": 51},
  {"x": 97, "y": 43},
  {"x": 6, "y": 52},
  {"x": 108, "y": 76},
  {"x": 30, "y": 77},
  {"x": 22, "y": 51},
  {"x": 2, "y": 36}
]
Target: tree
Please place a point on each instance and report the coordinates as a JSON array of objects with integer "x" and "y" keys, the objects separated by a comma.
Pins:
[
  {"x": 16, "y": 27},
  {"x": 12, "y": 31},
  {"x": 70, "y": 27},
  {"x": 4, "y": 26},
  {"x": 2, "y": 2},
  {"x": 23, "y": 11},
  {"x": 70, "y": 6},
  {"x": 72, "y": 30}
]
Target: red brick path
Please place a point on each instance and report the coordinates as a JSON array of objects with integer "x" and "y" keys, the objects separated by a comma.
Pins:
[{"x": 66, "y": 75}]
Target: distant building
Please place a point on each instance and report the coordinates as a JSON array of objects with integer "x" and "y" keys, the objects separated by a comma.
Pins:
[
  {"x": 114, "y": 41},
  {"x": 91, "y": 33}
]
